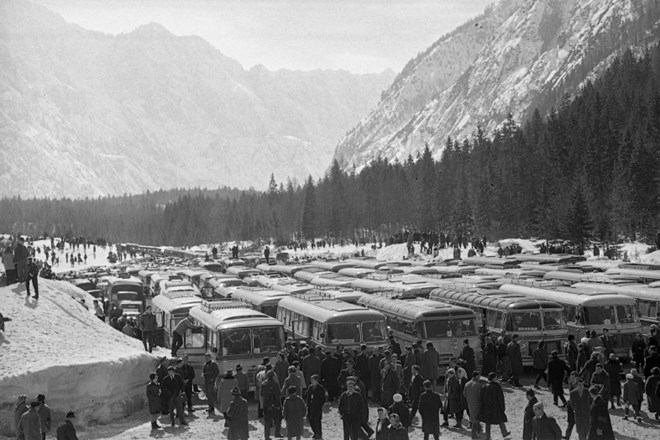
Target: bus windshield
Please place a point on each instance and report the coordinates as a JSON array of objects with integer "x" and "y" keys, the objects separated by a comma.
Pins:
[
  {"x": 438, "y": 329},
  {"x": 267, "y": 339},
  {"x": 464, "y": 327},
  {"x": 552, "y": 320},
  {"x": 374, "y": 331},
  {"x": 524, "y": 321},
  {"x": 625, "y": 314},
  {"x": 599, "y": 315},
  {"x": 344, "y": 332},
  {"x": 235, "y": 341}
]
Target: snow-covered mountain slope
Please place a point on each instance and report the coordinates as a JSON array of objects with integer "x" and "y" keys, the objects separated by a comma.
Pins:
[
  {"x": 517, "y": 56},
  {"x": 84, "y": 113}
]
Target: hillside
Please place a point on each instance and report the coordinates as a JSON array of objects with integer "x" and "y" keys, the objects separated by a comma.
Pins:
[
  {"x": 84, "y": 113},
  {"x": 518, "y": 56}
]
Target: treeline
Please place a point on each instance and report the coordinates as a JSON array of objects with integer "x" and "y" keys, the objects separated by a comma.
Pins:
[{"x": 588, "y": 170}]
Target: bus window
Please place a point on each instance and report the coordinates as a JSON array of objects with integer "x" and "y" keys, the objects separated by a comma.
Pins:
[
  {"x": 571, "y": 314},
  {"x": 343, "y": 332},
  {"x": 269, "y": 310},
  {"x": 552, "y": 320},
  {"x": 599, "y": 315},
  {"x": 463, "y": 327},
  {"x": 645, "y": 307},
  {"x": 213, "y": 339},
  {"x": 317, "y": 331},
  {"x": 373, "y": 331},
  {"x": 524, "y": 322},
  {"x": 653, "y": 309},
  {"x": 625, "y": 314},
  {"x": 194, "y": 339},
  {"x": 438, "y": 329},
  {"x": 235, "y": 341},
  {"x": 494, "y": 319},
  {"x": 267, "y": 339},
  {"x": 159, "y": 319}
]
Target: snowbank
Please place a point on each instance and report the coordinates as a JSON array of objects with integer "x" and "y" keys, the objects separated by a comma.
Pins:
[
  {"x": 57, "y": 347},
  {"x": 652, "y": 258},
  {"x": 528, "y": 246}
]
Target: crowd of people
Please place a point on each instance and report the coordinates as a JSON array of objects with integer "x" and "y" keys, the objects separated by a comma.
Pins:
[{"x": 34, "y": 421}]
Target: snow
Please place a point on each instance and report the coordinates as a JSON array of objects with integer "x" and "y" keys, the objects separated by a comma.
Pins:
[
  {"x": 57, "y": 347},
  {"x": 528, "y": 246}
]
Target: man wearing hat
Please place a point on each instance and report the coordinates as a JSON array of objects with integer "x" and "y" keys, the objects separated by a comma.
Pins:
[
  {"x": 272, "y": 404},
  {"x": 45, "y": 415},
  {"x": 172, "y": 387},
  {"x": 315, "y": 399},
  {"x": 67, "y": 431},
  {"x": 400, "y": 408},
  {"x": 188, "y": 375},
  {"x": 32, "y": 275},
  {"x": 237, "y": 417},
  {"x": 210, "y": 372},
  {"x": 29, "y": 427},
  {"x": 243, "y": 381},
  {"x": 600, "y": 424},
  {"x": 161, "y": 372}
]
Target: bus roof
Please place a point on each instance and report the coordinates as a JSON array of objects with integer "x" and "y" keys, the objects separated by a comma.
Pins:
[
  {"x": 258, "y": 296},
  {"x": 328, "y": 310},
  {"x": 493, "y": 299},
  {"x": 551, "y": 258},
  {"x": 367, "y": 263},
  {"x": 637, "y": 291},
  {"x": 416, "y": 309},
  {"x": 333, "y": 266},
  {"x": 571, "y": 296},
  {"x": 217, "y": 316},
  {"x": 175, "y": 305},
  {"x": 490, "y": 261}
]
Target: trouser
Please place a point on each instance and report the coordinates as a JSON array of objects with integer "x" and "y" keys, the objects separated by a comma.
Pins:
[
  {"x": 188, "y": 390},
  {"x": 502, "y": 430},
  {"x": 435, "y": 433},
  {"x": 636, "y": 407},
  {"x": 375, "y": 391},
  {"x": 558, "y": 393},
  {"x": 164, "y": 404},
  {"x": 351, "y": 428},
  {"x": 35, "y": 284},
  {"x": 210, "y": 394},
  {"x": 11, "y": 276},
  {"x": 21, "y": 270},
  {"x": 314, "y": 419},
  {"x": 505, "y": 368},
  {"x": 177, "y": 342},
  {"x": 148, "y": 338},
  {"x": 475, "y": 428},
  {"x": 413, "y": 408},
  {"x": 514, "y": 380},
  {"x": 541, "y": 375},
  {"x": 176, "y": 403},
  {"x": 457, "y": 415},
  {"x": 273, "y": 416}
]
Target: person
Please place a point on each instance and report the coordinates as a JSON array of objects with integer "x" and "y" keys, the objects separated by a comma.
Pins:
[
  {"x": 582, "y": 358},
  {"x": 600, "y": 425},
  {"x": 281, "y": 367},
  {"x": 153, "y": 398},
  {"x": 650, "y": 388},
  {"x": 638, "y": 351},
  {"x": 396, "y": 430},
  {"x": 225, "y": 397},
  {"x": 210, "y": 372},
  {"x": 489, "y": 356},
  {"x": 390, "y": 384},
  {"x": 430, "y": 361},
  {"x": 588, "y": 369},
  {"x": 272, "y": 404},
  {"x": 652, "y": 360},
  {"x": 503, "y": 360},
  {"x": 515, "y": 356},
  {"x": 453, "y": 397},
  {"x": 310, "y": 365},
  {"x": 98, "y": 310},
  {"x": 580, "y": 405},
  {"x": 148, "y": 326},
  {"x": 557, "y": 368},
  {"x": 267, "y": 254},
  {"x": 594, "y": 341},
  {"x": 161, "y": 372},
  {"x": 67, "y": 431},
  {"x": 45, "y": 415},
  {"x": 188, "y": 375},
  {"x": 172, "y": 387},
  {"x": 540, "y": 361},
  {"x": 467, "y": 354},
  {"x": 127, "y": 329},
  {"x": 394, "y": 346},
  {"x": 237, "y": 417},
  {"x": 472, "y": 394},
  {"x": 315, "y": 400},
  {"x": 528, "y": 417},
  {"x": 29, "y": 426},
  {"x": 242, "y": 380},
  {"x": 608, "y": 343},
  {"x": 544, "y": 427},
  {"x": 10, "y": 267},
  {"x": 382, "y": 424},
  {"x": 493, "y": 406},
  {"x": 20, "y": 260},
  {"x": 614, "y": 370},
  {"x": 374, "y": 375},
  {"x": 293, "y": 411},
  {"x": 430, "y": 404},
  {"x": 351, "y": 407},
  {"x": 32, "y": 275},
  {"x": 571, "y": 352},
  {"x": 20, "y": 408},
  {"x": 179, "y": 332},
  {"x": 631, "y": 397},
  {"x": 415, "y": 389},
  {"x": 362, "y": 366},
  {"x": 293, "y": 379},
  {"x": 601, "y": 378},
  {"x": 400, "y": 408}
]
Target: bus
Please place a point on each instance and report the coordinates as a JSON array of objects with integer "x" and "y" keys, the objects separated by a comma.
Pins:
[
  {"x": 127, "y": 294},
  {"x": 259, "y": 298},
  {"x": 284, "y": 269},
  {"x": 242, "y": 271},
  {"x": 644, "y": 275},
  {"x": 445, "y": 325},
  {"x": 330, "y": 322},
  {"x": 234, "y": 334},
  {"x": 505, "y": 314},
  {"x": 591, "y": 310},
  {"x": 332, "y": 266},
  {"x": 170, "y": 308},
  {"x": 331, "y": 279}
]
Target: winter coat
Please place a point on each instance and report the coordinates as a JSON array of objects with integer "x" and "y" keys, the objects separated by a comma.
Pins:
[
  {"x": 402, "y": 410},
  {"x": 430, "y": 404},
  {"x": 310, "y": 365},
  {"x": 602, "y": 379},
  {"x": 556, "y": 370},
  {"x": 492, "y": 404},
  {"x": 295, "y": 381},
  {"x": 631, "y": 392},
  {"x": 651, "y": 397},
  {"x": 270, "y": 395},
  {"x": 29, "y": 427},
  {"x": 281, "y": 368},
  {"x": 489, "y": 357},
  {"x": 540, "y": 359},
  {"x": 571, "y": 352},
  {"x": 351, "y": 406},
  {"x": 330, "y": 369},
  {"x": 390, "y": 386},
  {"x": 467, "y": 354},
  {"x": 20, "y": 253},
  {"x": 153, "y": 398},
  {"x": 67, "y": 431},
  {"x": 381, "y": 429},
  {"x": 18, "y": 413},
  {"x": 374, "y": 371},
  {"x": 472, "y": 394},
  {"x": 430, "y": 361},
  {"x": 528, "y": 418},
  {"x": 546, "y": 428},
  {"x": 453, "y": 396},
  {"x": 294, "y": 412},
  {"x": 614, "y": 369},
  {"x": 315, "y": 399},
  {"x": 224, "y": 393},
  {"x": 581, "y": 406},
  {"x": 243, "y": 382},
  {"x": 587, "y": 371},
  {"x": 416, "y": 388},
  {"x": 515, "y": 355},
  {"x": 398, "y": 433},
  {"x": 237, "y": 414},
  {"x": 210, "y": 371},
  {"x": 8, "y": 261},
  {"x": 600, "y": 424},
  {"x": 650, "y": 362},
  {"x": 172, "y": 386},
  {"x": 148, "y": 322},
  {"x": 46, "y": 417}
]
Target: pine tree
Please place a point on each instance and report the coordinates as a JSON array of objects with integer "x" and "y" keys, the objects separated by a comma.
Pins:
[{"x": 578, "y": 223}]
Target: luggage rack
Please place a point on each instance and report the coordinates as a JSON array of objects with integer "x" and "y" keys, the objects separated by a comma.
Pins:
[
  {"x": 174, "y": 294},
  {"x": 223, "y": 304}
]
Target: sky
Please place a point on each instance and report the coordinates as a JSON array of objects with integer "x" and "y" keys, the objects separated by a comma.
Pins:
[{"x": 361, "y": 36}]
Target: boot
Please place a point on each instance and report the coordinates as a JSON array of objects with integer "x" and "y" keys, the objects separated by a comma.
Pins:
[{"x": 155, "y": 425}]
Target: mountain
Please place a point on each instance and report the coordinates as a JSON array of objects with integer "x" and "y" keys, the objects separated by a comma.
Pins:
[
  {"x": 517, "y": 56},
  {"x": 83, "y": 113}
]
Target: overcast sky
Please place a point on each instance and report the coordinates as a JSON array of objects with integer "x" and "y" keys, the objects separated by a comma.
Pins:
[{"x": 356, "y": 35}]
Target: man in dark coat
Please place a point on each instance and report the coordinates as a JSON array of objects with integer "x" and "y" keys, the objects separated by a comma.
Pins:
[
  {"x": 600, "y": 425},
  {"x": 571, "y": 352},
  {"x": 293, "y": 411},
  {"x": 153, "y": 398},
  {"x": 430, "y": 404},
  {"x": 544, "y": 427},
  {"x": 556, "y": 370},
  {"x": 20, "y": 260},
  {"x": 430, "y": 361},
  {"x": 172, "y": 387},
  {"x": 210, "y": 372},
  {"x": 614, "y": 370},
  {"x": 351, "y": 407},
  {"x": 400, "y": 408},
  {"x": 310, "y": 365},
  {"x": 651, "y": 386},
  {"x": 237, "y": 416},
  {"x": 161, "y": 372},
  {"x": 472, "y": 394},
  {"x": 390, "y": 384},
  {"x": 188, "y": 374},
  {"x": 602, "y": 379},
  {"x": 489, "y": 357},
  {"x": 580, "y": 403},
  {"x": 415, "y": 389},
  {"x": 374, "y": 374},
  {"x": 362, "y": 366},
  {"x": 652, "y": 360},
  {"x": 330, "y": 369},
  {"x": 528, "y": 418},
  {"x": 467, "y": 354},
  {"x": 67, "y": 431},
  {"x": 148, "y": 326},
  {"x": 492, "y": 406},
  {"x": 315, "y": 400},
  {"x": 272, "y": 404},
  {"x": 515, "y": 356}
]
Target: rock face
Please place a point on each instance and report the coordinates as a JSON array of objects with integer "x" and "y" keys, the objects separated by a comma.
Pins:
[
  {"x": 84, "y": 113},
  {"x": 517, "y": 56}
]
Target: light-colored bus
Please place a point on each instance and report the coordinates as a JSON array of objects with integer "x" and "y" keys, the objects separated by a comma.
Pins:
[
  {"x": 242, "y": 271},
  {"x": 591, "y": 310},
  {"x": 505, "y": 314},
  {"x": 331, "y": 279},
  {"x": 170, "y": 308},
  {"x": 235, "y": 334},
  {"x": 445, "y": 325},
  {"x": 644, "y": 275},
  {"x": 332, "y": 266},
  {"x": 259, "y": 298},
  {"x": 284, "y": 269},
  {"x": 330, "y": 322}
]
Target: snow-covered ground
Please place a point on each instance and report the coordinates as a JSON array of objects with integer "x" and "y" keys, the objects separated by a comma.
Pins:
[{"x": 57, "y": 347}]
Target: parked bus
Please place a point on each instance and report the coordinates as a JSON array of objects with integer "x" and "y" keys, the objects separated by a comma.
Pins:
[
  {"x": 332, "y": 266},
  {"x": 127, "y": 294},
  {"x": 328, "y": 323},
  {"x": 591, "y": 310},
  {"x": 170, "y": 308},
  {"x": 259, "y": 298},
  {"x": 504, "y": 314},
  {"x": 235, "y": 334},
  {"x": 445, "y": 325}
]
